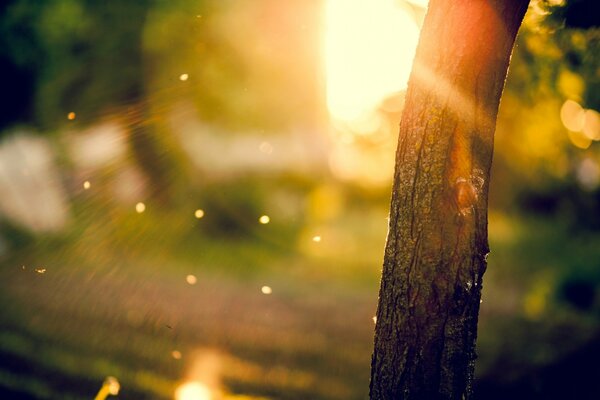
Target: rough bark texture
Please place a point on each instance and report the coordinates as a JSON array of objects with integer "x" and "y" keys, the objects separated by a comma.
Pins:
[{"x": 437, "y": 244}]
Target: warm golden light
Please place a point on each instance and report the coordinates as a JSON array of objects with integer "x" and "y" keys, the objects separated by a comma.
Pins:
[
  {"x": 183, "y": 77},
  {"x": 140, "y": 207},
  {"x": 266, "y": 290},
  {"x": 193, "y": 391},
  {"x": 264, "y": 219},
  {"x": 572, "y": 115},
  {"x": 110, "y": 386},
  {"x": 199, "y": 213},
  {"x": 591, "y": 124},
  {"x": 87, "y": 185},
  {"x": 176, "y": 354},
  {"x": 191, "y": 279},
  {"x": 579, "y": 140},
  {"x": 369, "y": 50},
  {"x": 266, "y": 147},
  {"x": 71, "y": 116}
]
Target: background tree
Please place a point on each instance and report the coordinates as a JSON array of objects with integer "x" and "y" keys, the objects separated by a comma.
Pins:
[
  {"x": 437, "y": 245},
  {"x": 84, "y": 57}
]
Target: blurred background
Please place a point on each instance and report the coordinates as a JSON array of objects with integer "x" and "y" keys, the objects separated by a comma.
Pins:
[{"x": 193, "y": 198}]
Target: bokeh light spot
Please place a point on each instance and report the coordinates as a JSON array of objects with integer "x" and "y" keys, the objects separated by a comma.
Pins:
[
  {"x": 140, "y": 207},
  {"x": 588, "y": 174},
  {"x": 266, "y": 290},
  {"x": 591, "y": 124},
  {"x": 266, "y": 147},
  {"x": 579, "y": 140},
  {"x": 572, "y": 115}
]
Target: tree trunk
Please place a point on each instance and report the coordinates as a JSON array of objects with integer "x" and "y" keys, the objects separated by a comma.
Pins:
[{"x": 437, "y": 245}]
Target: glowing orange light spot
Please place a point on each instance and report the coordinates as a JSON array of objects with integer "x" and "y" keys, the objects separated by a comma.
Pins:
[
  {"x": 579, "y": 140},
  {"x": 591, "y": 125},
  {"x": 572, "y": 115}
]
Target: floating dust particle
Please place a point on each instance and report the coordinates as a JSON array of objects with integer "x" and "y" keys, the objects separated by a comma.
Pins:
[
  {"x": 140, "y": 207},
  {"x": 266, "y": 290}
]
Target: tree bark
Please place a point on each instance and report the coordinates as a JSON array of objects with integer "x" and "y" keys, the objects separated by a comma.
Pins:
[{"x": 437, "y": 244}]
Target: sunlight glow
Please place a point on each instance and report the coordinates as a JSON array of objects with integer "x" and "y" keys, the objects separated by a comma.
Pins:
[
  {"x": 369, "y": 50},
  {"x": 87, "y": 185},
  {"x": 264, "y": 219},
  {"x": 183, "y": 77},
  {"x": 176, "y": 354},
  {"x": 199, "y": 213},
  {"x": 193, "y": 391},
  {"x": 71, "y": 116}
]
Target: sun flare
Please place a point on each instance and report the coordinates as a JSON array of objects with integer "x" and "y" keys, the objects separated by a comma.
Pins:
[{"x": 369, "y": 48}]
